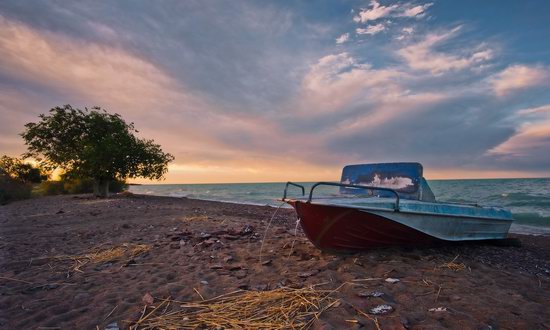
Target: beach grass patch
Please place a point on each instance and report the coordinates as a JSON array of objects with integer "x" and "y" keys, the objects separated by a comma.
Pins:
[
  {"x": 282, "y": 308},
  {"x": 195, "y": 218},
  {"x": 453, "y": 265},
  {"x": 124, "y": 252}
]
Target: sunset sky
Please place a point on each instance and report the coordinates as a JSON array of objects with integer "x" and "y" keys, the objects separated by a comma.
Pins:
[{"x": 256, "y": 91}]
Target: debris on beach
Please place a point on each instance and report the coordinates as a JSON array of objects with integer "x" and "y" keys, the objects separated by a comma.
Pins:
[
  {"x": 240, "y": 274},
  {"x": 438, "y": 309},
  {"x": 247, "y": 230},
  {"x": 452, "y": 265},
  {"x": 365, "y": 294},
  {"x": 283, "y": 308},
  {"x": 381, "y": 310},
  {"x": 147, "y": 299},
  {"x": 125, "y": 252},
  {"x": 204, "y": 236},
  {"x": 308, "y": 274},
  {"x": 112, "y": 326},
  {"x": 195, "y": 218},
  {"x": 392, "y": 280}
]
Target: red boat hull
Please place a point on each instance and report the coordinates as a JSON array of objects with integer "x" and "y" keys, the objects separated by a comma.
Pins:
[{"x": 340, "y": 229}]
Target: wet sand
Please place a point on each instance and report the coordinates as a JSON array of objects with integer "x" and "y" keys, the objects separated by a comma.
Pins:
[{"x": 215, "y": 248}]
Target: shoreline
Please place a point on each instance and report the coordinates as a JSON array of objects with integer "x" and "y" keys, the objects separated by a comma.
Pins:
[
  {"x": 516, "y": 229},
  {"x": 214, "y": 248}
]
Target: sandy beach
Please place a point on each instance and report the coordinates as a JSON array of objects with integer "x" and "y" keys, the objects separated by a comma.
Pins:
[{"x": 207, "y": 248}]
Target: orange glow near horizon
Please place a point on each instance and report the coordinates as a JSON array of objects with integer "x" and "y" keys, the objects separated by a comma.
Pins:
[{"x": 195, "y": 174}]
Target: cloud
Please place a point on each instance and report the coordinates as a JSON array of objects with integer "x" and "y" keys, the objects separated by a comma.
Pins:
[
  {"x": 423, "y": 56},
  {"x": 90, "y": 70},
  {"x": 338, "y": 80},
  {"x": 343, "y": 38},
  {"x": 529, "y": 146},
  {"x": 530, "y": 141},
  {"x": 537, "y": 111},
  {"x": 371, "y": 29},
  {"x": 375, "y": 12},
  {"x": 407, "y": 31},
  {"x": 532, "y": 136},
  {"x": 518, "y": 77},
  {"x": 416, "y": 11},
  {"x": 87, "y": 74}
]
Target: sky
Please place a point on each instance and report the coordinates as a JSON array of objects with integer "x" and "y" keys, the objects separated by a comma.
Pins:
[{"x": 258, "y": 91}]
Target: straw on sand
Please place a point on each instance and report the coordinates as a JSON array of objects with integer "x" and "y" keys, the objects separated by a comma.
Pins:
[
  {"x": 195, "y": 218},
  {"x": 96, "y": 256},
  {"x": 283, "y": 308},
  {"x": 452, "y": 265}
]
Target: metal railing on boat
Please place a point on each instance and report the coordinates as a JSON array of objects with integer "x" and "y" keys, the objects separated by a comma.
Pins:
[{"x": 346, "y": 185}]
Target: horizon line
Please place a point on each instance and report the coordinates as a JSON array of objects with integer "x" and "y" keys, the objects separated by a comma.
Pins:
[{"x": 263, "y": 182}]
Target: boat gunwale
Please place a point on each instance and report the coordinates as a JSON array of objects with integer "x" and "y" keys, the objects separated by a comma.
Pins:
[{"x": 367, "y": 209}]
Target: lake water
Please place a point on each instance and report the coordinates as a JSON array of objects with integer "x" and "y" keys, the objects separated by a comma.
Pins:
[{"x": 528, "y": 199}]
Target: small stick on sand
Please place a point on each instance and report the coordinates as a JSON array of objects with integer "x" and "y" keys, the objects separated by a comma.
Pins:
[
  {"x": 106, "y": 317},
  {"x": 373, "y": 319},
  {"x": 267, "y": 228},
  {"x": 367, "y": 279},
  {"x": 438, "y": 292},
  {"x": 14, "y": 279},
  {"x": 200, "y": 295},
  {"x": 452, "y": 265}
]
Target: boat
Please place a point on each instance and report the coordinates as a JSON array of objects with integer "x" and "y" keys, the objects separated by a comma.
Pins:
[{"x": 389, "y": 204}]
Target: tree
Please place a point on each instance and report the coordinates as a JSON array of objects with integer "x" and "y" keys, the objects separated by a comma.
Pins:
[
  {"x": 19, "y": 170},
  {"x": 94, "y": 144}
]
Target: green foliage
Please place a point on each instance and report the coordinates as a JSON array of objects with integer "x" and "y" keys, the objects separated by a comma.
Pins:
[
  {"x": 17, "y": 169},
  {"x": 94, "y": 144},
  {"x": 75, "y": 186},
  {"x": 118, "y": 186},
  {"x": 12, "y": 189},
  {"x": 78, "y": 186},
  {"x": 47, "y": 188}
]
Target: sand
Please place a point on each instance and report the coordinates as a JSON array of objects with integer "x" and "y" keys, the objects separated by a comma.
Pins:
[{"x": 214, "y": 248}]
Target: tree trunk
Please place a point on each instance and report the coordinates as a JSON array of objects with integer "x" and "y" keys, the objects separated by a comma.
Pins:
[{"x": 101, "y": 188}]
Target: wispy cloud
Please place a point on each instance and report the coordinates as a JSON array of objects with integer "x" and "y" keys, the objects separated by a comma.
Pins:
[
  {"x": 519, "y": 77},
  {"x": 530, "y": 140},
  {"x": 406, "y": 32},
  {"x": 343, "y": 38},
  {"x": 90, "y": 70},
  {"x": 424, "y": 56},
  {"x": 414, "y": 11},
  {"x": 374, "y": 12},
  {"x": 536, "y": 111},
  {"x": 377, "y": 11},
  {"x": 337, "y": 80},
  {"x": 371, "y": 29}
]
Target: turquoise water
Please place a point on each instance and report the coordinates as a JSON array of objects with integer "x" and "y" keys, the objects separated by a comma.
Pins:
[{"x": 528, "y": 199}]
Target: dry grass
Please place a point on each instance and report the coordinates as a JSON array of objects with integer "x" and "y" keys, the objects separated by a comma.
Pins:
[
  {"x": 195, "y": 218},
  {"x": 124, "y": 252},
  {"x": 452, "y": 265},
  {"x": 283, "y": 308}
]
